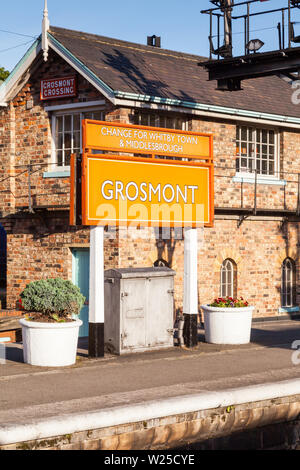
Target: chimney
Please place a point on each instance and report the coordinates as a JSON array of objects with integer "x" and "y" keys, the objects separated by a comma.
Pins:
[{"x": 153, "y": 41}]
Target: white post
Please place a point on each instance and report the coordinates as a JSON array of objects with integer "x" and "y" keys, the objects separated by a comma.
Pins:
[
  {"x": 190, "y": 293},
  {"x": 45, "y": 29},
  {"x": 96, "y": 301}
]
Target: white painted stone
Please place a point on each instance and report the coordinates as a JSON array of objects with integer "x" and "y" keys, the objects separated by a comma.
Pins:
[
  {"x": 96, "y": 300},
  {"x": 77, "y": 422},
  {"x": 190, "y": 288},
  {"x": 50, "y": 344},
  {"x": 227, "y": 325}
]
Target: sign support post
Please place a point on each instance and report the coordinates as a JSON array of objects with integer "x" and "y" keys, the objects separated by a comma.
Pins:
[
  {"x": 96, "y": 302},
  {"x": 190, "y": 292}
]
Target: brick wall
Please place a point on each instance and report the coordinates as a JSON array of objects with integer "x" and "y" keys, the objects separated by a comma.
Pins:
[{"x": 40, "y": 244}]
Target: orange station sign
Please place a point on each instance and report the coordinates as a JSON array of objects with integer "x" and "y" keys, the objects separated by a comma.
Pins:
[
  {"x": 146, "y": 140},
  {"x": 133, "y": 190}
]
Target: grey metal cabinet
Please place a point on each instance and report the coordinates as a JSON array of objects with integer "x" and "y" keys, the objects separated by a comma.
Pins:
[{"x": 139, "y": 309}]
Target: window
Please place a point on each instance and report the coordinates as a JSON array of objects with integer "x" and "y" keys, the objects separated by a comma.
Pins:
[
  {"x": 256, "y": 150},
  {"x": 66, "y": 133},
  {"x": 156, "y": 120},
  {"x": 228, "y": 279},
  {"x": 288, "y": 283}
]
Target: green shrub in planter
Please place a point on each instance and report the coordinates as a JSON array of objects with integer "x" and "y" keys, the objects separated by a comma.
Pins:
[{"x": 56, "y": 299}]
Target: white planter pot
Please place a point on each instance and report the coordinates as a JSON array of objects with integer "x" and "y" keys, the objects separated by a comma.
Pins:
[
  {"x": 50, "y": 344},
  {"x": 227, "y": 325}
]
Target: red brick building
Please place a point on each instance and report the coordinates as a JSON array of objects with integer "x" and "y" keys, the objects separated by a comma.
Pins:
[{"x": 253, "y": 248}]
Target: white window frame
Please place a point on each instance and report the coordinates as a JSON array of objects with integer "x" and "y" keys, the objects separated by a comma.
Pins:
[
  {"x": 247, "y": 175},
  {"x": 287, "y": 299},
  {"x": 62, "y": 112},
  {"x": 157, "y": 117},
  {"x": 230, "y": 278}
]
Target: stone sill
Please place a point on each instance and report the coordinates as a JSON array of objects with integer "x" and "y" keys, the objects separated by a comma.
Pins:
[
  {"x": 251, "y": 179},
  {"x": 288, "y": 309},
  {"x": 57, "y": 174}
]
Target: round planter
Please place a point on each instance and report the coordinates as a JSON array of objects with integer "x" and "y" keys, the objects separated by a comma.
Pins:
[
  {"x": 227, "y": 325},
  {"x": 50, "y": 344}
]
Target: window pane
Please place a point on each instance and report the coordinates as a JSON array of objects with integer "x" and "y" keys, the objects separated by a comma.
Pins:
[
  {"x": 59, "y": 120},
  {"x": 251, "y": 134},
  {"x": 258, "y": 135},
  {"x": 264, "y": 167},
  {"x": 98, "y": 116},
  {"x": 59, "y": 142},
  {"x": 158, "y": 121},
  {"x": 76, "y": 141},
  {"x": 144, "y": 120},
  {"x": 59, "y": 158},
  {"x": 287, "y": 287},
  {"x": 68, "y": 141},
  {"x": 170, "y": 123},
  {"x": 244, "y": 134},
  {"x": 88, "y": 115},
  {"x": 265, "y": 136},
  {"x": 178, "y": 123},
  {"x": 76, "y": 122},
  {"x": 68, "y": 123},
  {"x": 67, "y": 157}
]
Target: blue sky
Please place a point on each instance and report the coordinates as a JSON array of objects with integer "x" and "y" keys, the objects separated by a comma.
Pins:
[{"x": 179, "y": 23}]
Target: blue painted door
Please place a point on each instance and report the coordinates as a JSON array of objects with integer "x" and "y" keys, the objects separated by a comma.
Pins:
[{"x": 81, "y": 269}]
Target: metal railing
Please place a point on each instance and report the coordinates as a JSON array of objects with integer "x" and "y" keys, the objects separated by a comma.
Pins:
[{"x": 224, "y": 11}]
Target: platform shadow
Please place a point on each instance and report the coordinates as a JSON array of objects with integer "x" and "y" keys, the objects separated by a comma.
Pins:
[
  {"x": 14, "y": 353},
  {"x": 271, "y": 338}
]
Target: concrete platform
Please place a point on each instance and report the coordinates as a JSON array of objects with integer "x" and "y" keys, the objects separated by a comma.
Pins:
[{"x": 30, "y": 393}]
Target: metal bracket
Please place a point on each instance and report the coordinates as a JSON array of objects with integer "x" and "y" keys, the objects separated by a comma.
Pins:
[
  {"x": 241, "y": 220},
  {"x": 30, "y": 209},
  {"x": 282, "y": 224}
]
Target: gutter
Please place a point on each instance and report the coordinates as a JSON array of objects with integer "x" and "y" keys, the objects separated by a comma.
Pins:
[
  {"x": 121, "y": 98},
  {"x": 19, "y": 69},
  {"x": 207, "y": 108},
  {"x": 77, "y": 422}
]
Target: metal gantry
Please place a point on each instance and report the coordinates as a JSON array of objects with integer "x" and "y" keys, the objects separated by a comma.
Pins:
[{"x": 230, "y": 70}]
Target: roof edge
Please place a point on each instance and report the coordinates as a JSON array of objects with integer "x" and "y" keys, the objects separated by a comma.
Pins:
[
  {"x": 7, "y": 86},
  {"x": 208, "y": 108},
  {"x": 116, "y": 95},
  {"x": 81, "y": 68}
]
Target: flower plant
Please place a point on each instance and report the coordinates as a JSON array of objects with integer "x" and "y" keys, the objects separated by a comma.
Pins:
[{"x": 229, "y": 302}]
